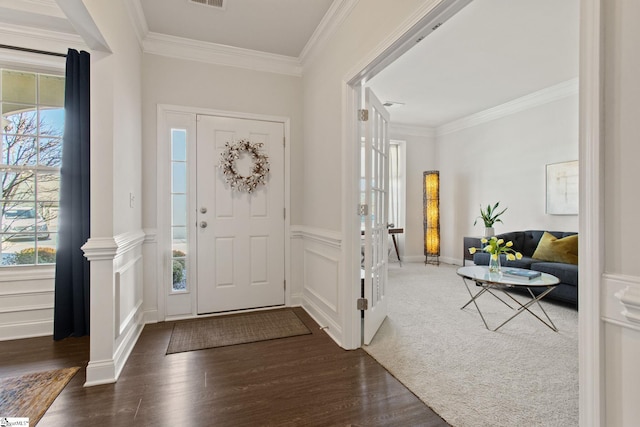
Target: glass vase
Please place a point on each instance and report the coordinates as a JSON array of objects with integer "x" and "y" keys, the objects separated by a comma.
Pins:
[{"x": 494, "y": 264}]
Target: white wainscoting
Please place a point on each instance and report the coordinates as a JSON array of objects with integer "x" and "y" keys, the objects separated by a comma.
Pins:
[
  {"x": 26, "y": 302},
  {"x": 620, "y": 304},
  {"x": 151, "y": 304},
  {"x": 621, "y": 301},
  {"x": 316, "y": 255},
  {"x": 117, "y": 316}
]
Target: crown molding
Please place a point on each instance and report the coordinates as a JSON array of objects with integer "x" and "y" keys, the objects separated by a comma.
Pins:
[
  {"x": 41, "y": 7},
  {"x": 37, "y": 38},
  {"x": 213, "y": 53},
  {"x": 534, "y": 99},
  {"x": 413, "y": 130},
  {"x": 335, "y": 16},
  {"x": 82, "y": 21},
  {"x": 138, "y": 20}
]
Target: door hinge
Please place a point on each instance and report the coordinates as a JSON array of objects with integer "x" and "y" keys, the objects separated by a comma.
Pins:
[
  {"x": 363, "y": 115},
  {"x": 284, "y": 141},
  {"x": 363, "y": 210},
  {"x": 285, "y": 284},
  {"x": 362, "y": 304},
  {"x": 284, "y": 213}
]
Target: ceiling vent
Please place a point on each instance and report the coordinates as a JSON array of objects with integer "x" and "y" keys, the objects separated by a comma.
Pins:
[{"x": 220, "y": 4}]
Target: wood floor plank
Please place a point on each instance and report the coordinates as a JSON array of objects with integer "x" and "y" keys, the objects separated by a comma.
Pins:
[{"x": 299, "y": 381}]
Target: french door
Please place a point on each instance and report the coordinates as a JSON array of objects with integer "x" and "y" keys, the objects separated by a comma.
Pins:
[{"x": 374, "y": 167}]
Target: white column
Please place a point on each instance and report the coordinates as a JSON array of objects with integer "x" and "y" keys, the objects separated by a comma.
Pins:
[{"x": 101, "y": 368}]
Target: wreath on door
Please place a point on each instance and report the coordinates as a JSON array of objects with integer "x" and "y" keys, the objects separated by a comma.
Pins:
[{"x": 259, "y": 170}]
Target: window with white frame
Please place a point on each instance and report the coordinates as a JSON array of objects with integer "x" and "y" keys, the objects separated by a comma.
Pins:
[
  {"x": 179, "y": 213},
  {"x": 397, "y": 182},
  {"x": 32, "y": 106}
]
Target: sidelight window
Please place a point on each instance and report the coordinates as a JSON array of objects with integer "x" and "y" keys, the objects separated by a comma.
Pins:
[{"x": 179, "y": 213}]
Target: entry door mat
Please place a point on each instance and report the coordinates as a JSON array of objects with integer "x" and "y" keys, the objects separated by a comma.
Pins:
[
  {"x": 30, "y": 395},
  {"x": 235, "y": 329}
]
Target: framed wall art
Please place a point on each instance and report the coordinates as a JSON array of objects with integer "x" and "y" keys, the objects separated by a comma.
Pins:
[{"x": 562, "y": 188}]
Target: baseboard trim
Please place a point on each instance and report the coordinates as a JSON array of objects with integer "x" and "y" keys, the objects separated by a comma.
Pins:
[
  {"x": 150, "y": 316},
  {"x": 128, "y": 343},
  {"x": 100, "y": 372},
  {"x": 297, "y": 300},
  {"x": 420, "y": 258},
  {"x": 326, "y": 324},
  {"x": 15, "y": 331}
]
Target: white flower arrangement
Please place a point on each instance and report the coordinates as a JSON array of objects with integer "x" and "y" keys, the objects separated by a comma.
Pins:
[{"x": 259, "y": 171}]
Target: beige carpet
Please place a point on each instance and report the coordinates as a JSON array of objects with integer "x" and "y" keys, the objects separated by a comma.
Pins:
[
  {"x": 523, "y": 375},
  {"x": 235, "y": 329},
  {"x": 30, "y": 395}
]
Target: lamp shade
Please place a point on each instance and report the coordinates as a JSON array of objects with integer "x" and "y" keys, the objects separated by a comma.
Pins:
[{"x": 431, "y": 199}]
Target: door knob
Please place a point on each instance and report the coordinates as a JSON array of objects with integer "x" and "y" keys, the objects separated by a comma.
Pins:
[{"x": 203, "y": 224}]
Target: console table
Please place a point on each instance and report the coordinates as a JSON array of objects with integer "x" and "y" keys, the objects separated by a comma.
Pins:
[{"x": 392, "y": 233}]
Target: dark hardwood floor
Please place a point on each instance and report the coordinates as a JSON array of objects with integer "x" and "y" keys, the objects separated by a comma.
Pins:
[{"x": 300, "y": 381}]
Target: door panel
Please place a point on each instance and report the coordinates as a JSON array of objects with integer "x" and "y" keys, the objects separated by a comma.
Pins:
[
  {"x": 375, "y": 170},
  {"x": 240, "y": 236}
]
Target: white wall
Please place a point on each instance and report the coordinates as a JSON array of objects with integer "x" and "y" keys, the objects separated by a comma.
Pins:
[
  {"x": 504, "y": 160},
  {"x": 323, "y": 80},
  {"x": 329, "y": 151},
  {"x": 185, "y": 83},
  {"x": 621, "y": 282},
  {"x": 115, "y": 246}
]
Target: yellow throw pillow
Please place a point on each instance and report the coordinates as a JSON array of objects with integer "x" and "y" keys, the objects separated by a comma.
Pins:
[{"x": 550, "y": 248}]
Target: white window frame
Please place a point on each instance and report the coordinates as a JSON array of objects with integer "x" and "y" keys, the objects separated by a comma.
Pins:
[
  {"x": 37, "y": 64},
  {"x": 401, "y": 196}
]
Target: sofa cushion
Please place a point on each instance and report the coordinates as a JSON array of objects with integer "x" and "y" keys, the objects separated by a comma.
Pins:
[
  {"x": 524, "y": 262},
  {"x": 516, "y": 237},
  {"x": 554, "y": 249},
  {"x": 567, "y": 273},
  {"x": 530, "y": 239}
]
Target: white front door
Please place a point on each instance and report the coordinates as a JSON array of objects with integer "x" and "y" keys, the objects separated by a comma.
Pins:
[
  {"x": 375, "y": 195},
  {"x": 240, "y": 235}
]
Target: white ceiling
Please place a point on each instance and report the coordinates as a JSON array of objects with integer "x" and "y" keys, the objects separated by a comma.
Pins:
[
  {"x": 275, "y": 26},
  {"x": 44, "y": 14},
  {"x": 491, "y": 52}
]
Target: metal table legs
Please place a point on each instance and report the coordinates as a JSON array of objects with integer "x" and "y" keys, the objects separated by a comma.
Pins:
[{"x": 535, "y": 299}]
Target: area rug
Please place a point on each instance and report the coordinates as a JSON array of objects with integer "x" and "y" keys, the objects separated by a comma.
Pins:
[
  {"x": 524, "y": 374},
  {"x": 30, "y": 395},
  {"x": 235, "y": 329}
]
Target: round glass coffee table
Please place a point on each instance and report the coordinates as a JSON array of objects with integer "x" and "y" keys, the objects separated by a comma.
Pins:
[{"x": 492, "y": 282}]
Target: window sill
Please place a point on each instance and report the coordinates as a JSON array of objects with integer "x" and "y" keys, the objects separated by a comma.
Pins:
[{"x": 27, "y": 272}]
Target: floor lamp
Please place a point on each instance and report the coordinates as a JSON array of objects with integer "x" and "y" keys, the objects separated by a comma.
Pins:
[{"x": 431, "y": 201}]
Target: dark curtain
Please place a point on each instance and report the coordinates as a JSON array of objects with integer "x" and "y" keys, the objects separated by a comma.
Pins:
[{"x": 71, "y": 310}]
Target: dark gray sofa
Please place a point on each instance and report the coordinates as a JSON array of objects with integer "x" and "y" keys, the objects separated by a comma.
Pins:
[{"x": 526, "y": 243}]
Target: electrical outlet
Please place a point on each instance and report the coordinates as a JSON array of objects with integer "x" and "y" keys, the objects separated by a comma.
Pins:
[{"x": 132, "y": 199}]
